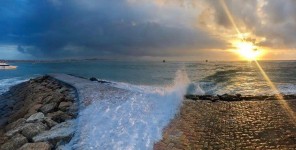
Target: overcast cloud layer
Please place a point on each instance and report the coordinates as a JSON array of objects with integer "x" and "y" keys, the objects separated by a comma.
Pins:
[{"x": 120, "y": 28}]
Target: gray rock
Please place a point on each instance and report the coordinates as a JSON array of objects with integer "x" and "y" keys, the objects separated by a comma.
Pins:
[
  {"x": 49, "y": 122},
  {"x": 48, "y": 99},
  {"x": 55, "y": 97},
  {"x": 36, "y": 146},
  {"x": 48, "y": 108},
  {"x": 73, "y": 109},
  {"x": 17, "y": 129},
  {"x": 36, "y": 117},
  {"x": 69, "y": 97},
  {"x": 63, "y": 89},
  {"x": 29, "y": 114},
  {"x": 40, "y": 97},
  {"x": 64, "y": 106},
  {"x": 35, "y": 107},
  {"x": 38, "y": 88},
  {"x": 3, "y": 139},
  {"x": 44, "y": 83},
  {"x": 18, "y": 114},
  {"x": 33, "y": 129},
  {"x": 59, "y": 116},
  {"x": 15, "y": 124},
  {"x": 14, "y": 143},
  {"x": 61, "y": 132}
]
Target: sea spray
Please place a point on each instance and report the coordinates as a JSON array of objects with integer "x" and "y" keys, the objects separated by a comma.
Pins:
[
  {"x": 195, "y": 89},
  {"x": 133, "y": 119}
]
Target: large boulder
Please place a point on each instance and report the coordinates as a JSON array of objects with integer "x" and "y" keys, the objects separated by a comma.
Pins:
[
  {"x": 48, "y": 99},
  {"x": 39, "y": 88},
  {"x": 38, "y": 98},
  {"x": 49, "y": 122},
  {"x": 59, "y": 116},
  {"x": 48, "y": 108},
  {"x": 64, "y": 106},
  {"x": 93, "y": 79},
  {"x": 18, "y": 114},
  {"x": 36, "y": 146},
  {"x": 3, "y": 138},
  {"x": 36, "y": 117},
  {"x": 61, "y": 132},
  {"x": 55, "y": 97},
  {"x": 62, "y": 90},
  {"x": 17, "y": 128},
  {"x": 33, "y": 129},
  {"x": 33, "y": 109},
  {"x": 14, "y": 143},
  {"x": 15, "y": 124}
]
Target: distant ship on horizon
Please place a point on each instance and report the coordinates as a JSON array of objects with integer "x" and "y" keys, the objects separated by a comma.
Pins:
[{"x": 6, "y": 66}]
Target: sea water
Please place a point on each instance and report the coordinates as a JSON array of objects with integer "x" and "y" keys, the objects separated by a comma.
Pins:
[{"x": 209, "y": 78}]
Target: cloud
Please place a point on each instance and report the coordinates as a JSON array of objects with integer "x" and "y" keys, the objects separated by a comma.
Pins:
[
  {"x": 95, "y": 28},
  {"x": 270, "y": 23},
  {"x": 99, "y": 27}
]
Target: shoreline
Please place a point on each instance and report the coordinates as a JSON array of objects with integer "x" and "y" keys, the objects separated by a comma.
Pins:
[
  {"x": 34, "y": 111},
  {"x": 46, "y": 105}
]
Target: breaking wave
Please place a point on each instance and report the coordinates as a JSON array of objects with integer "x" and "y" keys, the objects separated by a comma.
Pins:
[{"x": 136, "y": 121}]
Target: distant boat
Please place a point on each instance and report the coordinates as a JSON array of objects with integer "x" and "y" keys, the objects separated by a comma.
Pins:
[
  {"x": 163, "y": 61},
  {"x": 6, "y": 66}
]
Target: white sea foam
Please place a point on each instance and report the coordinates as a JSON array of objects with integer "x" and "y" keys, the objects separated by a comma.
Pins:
[
  {"x": 5, "y": 84},
  {"x": 136, "y": 122},
  {"x": 287, "y": 88}
]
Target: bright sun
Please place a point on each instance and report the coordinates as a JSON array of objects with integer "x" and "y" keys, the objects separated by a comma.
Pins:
[{"x": 247, "y": 50}]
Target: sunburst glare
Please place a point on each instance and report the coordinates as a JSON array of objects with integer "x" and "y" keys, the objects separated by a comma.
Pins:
[{"x": 248, "y": 50}]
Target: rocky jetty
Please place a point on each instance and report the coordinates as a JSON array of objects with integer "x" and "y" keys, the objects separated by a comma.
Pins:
[
  {"x": 237, "y": 97},
  {"x": 37, "y": 115}
]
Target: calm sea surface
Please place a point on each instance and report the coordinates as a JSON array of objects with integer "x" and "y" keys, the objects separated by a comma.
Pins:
[{"x": 206, "y": 78}]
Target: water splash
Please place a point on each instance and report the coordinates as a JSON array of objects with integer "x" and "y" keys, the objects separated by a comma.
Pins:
[
  {"x": 195, "y": 89},
  {"x": 130, "y": 120}
]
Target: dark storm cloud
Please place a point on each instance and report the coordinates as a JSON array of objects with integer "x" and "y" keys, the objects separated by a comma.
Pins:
[
  {"x": 54, "y": 28},
  {"x": 94, "y": 28}
]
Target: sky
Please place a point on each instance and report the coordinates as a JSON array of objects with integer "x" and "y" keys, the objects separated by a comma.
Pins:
[{"x": 145, "y": 29}]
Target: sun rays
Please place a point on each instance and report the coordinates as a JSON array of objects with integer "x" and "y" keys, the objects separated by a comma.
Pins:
[{"x": 250, "y": 51}]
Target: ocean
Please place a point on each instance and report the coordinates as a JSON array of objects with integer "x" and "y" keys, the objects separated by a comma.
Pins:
[{"x": 210, "y": 78}]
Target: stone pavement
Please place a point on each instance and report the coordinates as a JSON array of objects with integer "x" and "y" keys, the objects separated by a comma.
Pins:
[
  {"x": 87, "y": 123},
  {"x": 230, "y": 125},
  {"x": 89, "y": 91}
]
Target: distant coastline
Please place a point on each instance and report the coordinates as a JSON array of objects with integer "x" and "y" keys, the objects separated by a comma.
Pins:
[
  {"x": 51, "y": 60},
  {"x": 118, "y": 59}
]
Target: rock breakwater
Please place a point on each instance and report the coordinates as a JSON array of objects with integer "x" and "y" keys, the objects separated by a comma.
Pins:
[
  {"x": 237, "y": 97},
  {"x": 37, "y": 114}
]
